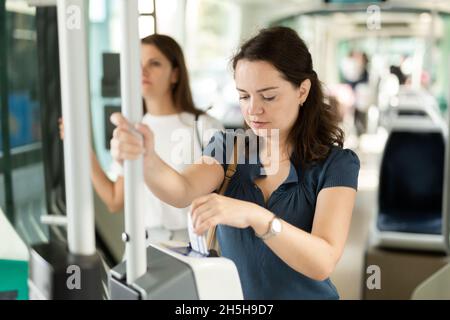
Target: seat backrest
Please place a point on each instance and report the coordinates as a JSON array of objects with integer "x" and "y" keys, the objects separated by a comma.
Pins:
[{"x": 411, "y": 175}]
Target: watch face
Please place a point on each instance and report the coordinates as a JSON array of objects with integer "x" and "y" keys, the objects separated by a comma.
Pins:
[{"x": 276, "y": 226}]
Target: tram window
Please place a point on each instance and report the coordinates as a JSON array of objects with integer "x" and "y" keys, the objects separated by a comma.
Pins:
[
  {"x": 146, "y": 25},
  {"x": 146, "y": 6},
  {"x": 213, "y": 32}
]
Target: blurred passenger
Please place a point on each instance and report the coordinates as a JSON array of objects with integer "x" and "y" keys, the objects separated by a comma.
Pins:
[
  {"x": 356, "y": 74},
  {"x": 354, "y": 68},
  {"x": 397, "y": 71}
]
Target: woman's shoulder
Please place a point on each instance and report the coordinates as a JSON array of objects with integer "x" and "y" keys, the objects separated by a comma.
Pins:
[
  {"x": 203, "y": 120},
  {"x": 339, "y": 168},
  {"x": 337, "y": 159},
  {"x": 209, "y": 122},
  {"x": 338, "y": 154}
]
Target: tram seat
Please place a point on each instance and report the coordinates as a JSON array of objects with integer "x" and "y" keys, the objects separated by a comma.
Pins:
[{"x": 411, "y": 179}]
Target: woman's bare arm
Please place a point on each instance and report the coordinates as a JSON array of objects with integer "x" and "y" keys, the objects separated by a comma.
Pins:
[
  {"x": 111, "y": 192},
  {"x": 175, "y": 188}
]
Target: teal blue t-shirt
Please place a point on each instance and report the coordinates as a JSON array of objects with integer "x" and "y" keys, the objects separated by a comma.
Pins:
[{"x": 263, "y": 274}]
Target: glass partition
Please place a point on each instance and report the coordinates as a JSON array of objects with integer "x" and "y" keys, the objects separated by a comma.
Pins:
[{"x": 24, "y": 134}]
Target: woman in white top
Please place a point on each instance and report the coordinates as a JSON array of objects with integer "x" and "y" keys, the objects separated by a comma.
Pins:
[{"x": 180, "y": 131}]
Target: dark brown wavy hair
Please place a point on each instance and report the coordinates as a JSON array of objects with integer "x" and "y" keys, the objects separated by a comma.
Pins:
[
  {"x": 316, "y": 129},
  {"x": 181, "y": 91}
]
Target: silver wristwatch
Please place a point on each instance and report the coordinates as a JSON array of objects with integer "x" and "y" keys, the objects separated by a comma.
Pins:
[{"x": 275, "y": 227}]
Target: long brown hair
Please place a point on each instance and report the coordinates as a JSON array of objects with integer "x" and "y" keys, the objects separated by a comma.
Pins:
[
  {"x": 181, "y": 91},
  {"x": 316, "y": 129}
]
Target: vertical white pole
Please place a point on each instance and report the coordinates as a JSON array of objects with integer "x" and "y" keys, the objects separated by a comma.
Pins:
[
  {"x": 130, "y": 74},
  {"x": 72, "y": 36}
]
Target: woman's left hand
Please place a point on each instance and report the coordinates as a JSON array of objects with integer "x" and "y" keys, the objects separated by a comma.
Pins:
[{"x": 213, "y": 209}]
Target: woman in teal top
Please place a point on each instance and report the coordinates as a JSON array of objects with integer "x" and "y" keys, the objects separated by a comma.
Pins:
[{"x": 285, "y": 216}]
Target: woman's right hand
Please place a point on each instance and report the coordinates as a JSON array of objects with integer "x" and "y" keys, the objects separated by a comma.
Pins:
[{"x": 129, "y": 142}]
